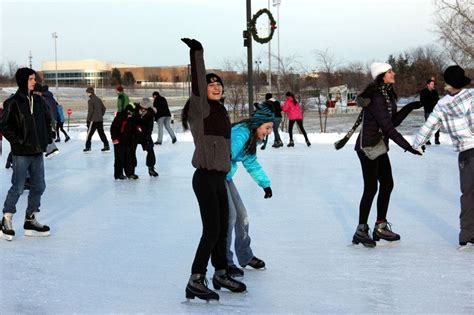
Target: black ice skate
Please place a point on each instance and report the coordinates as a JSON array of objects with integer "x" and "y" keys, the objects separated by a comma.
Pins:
[
  {"x": 197, "y": 287},
  {"x": 34, "y": 228},
  {"x": 152, "y": 172},
  {"x": 384, "y": 231},
  {"x": 222, "y": 279},
  {"x": 105, "y": 149},
  {"x": 255, "y": 263},
  {"x": 235, "y": 272},
  {"x": 291, "y": 144},
  {"x": 362, "y": 236},
  {"x": 7, "y": 227}
]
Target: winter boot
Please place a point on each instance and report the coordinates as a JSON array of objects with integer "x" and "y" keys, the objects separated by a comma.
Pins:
[
  {"x": 87, "y": 150},
  {"x": 291, "y": 144},
  {"x": 33, "y": 227},
  {"x": 235, "y": 272},
  {"x": 7, "y": 227},
  {"x": 255, "y": 263},
  {"x": 222, "y": 279},
  {"x": 197, "y": 287},
  {"x": 384, "y": 231},
  {"x": 362, "y": 236},
  {"x": 152, "y": 172}
]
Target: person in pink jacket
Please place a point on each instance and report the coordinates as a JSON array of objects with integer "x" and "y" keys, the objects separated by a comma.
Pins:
[{"x": 293, "y": 109}]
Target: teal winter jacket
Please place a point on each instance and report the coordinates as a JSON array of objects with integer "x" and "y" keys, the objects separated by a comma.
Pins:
[{"x": 239, "y": 135}]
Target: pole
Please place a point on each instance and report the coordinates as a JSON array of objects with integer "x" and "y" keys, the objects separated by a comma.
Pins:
[
  {"x": 269, "y": 76},
  {"x": 276, "y": 3},
  {"x": 55, "y": 36},
  {"x": 249, "y": 57},
  {"x": 30, "y": 57}
]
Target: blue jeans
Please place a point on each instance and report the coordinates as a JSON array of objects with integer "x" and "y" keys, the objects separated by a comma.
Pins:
[
  {"x": 23, "y": 166},
  {"x": 164, "y": 121},
  {"x": 276, "y": 134},
  {"x": 238, "y": 219}
]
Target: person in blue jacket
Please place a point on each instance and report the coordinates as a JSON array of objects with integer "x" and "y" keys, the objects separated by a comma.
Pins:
[
  {"x": 60, "y": 124},
  {"x": 244, "y": 138}
]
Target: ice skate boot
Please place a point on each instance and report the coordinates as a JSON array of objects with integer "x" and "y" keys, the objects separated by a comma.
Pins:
[
  {"x": 291, "y": 144},
  {"x": 235, "y": 272},
  {"x": 34, "y": 228},
  {"x": 152, "y": 172},
  {"x": 197, "y": 287},
  {"x": 7, "y": 227},
  {"x": 105, "y": 149},
  {"x": 222, "y": 279},
  {"x": 255, "y": 263},
  {"x": 308, "y": 143},
  {"x": 362, "y": 236},
  {"x": 384, "y": 231}
]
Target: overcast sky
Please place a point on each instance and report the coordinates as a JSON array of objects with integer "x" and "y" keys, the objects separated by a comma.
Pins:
[{"x": 148, "y": 32}]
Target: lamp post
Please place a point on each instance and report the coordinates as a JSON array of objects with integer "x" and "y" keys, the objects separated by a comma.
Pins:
[
  {"x": 269, "y": 76},
  {"x": 55, "y": 36},
  {"x": 276, "y": 3},
  {"x": 248, "y": 44},
  {"x": 257, "y": 79}
]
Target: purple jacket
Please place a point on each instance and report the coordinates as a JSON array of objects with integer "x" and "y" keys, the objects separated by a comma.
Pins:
[{"x": 377, "y": 116}]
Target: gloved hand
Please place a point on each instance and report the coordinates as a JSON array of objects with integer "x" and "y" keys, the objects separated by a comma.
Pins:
[
  {"x": 192, "y": 43},
  {"x": 415, "y": 151},
  {"x": 268, "y": 192}
]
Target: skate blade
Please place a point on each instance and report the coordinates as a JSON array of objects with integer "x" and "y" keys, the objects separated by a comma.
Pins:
[
  {"x": 385, "y": 243},
  {"x": 468, "y": 247},
  {"x": 360, "y": 245},
  {"x": 6, "y": 236},
  {"x": 31, "y": 233},
  {"x": 52, "y": 154}
]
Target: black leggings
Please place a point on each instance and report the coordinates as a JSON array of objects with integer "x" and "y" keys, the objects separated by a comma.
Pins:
[
  {"x": 378, "y": 170},
  {"x": 60, "y": 126},
  {"x": 211, "y": 193},
  {"x": 299, "y": 122}
]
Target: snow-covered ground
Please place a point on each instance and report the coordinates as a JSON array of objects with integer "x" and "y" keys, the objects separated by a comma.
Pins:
[{"x": 127, "y": 246}]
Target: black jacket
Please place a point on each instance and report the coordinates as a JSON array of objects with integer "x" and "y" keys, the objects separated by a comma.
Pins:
[
  {"x": 275, "y": 107},
  {"x": 428, "y": 99},
  {"x": 161, "y": 105},
  {"x": 121, "y": 129},
  {"x": 28, "y": 133},
  {"x": 143, "y": 126},
  {"x": 377, "y": 117}
]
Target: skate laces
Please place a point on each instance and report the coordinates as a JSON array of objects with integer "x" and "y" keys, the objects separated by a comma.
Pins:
[
  {"x": 7, "y": 223},
  {"x": 32, "y": 220}
]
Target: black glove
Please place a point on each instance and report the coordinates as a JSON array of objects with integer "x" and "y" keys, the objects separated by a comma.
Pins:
[
  {"x": 416, "y": 152},
  {"x": 268, "y": 192},
  {"x": 192, "y": 43}
]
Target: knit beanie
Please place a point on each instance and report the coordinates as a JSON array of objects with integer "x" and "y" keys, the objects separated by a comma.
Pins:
[
  {"x": 262, "y": 115},
  {"x": 377, "y": 68},
  {"x": 120, "y": 88},
  {"x": 212, "y": 77},
  {"x": 145, "y": 103}
]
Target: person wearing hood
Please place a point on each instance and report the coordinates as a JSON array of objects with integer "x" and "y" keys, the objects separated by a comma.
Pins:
[
  {"x": 144, "y": 121},
  {"x": 210, "y": 128},
  {"x": 245, "y": 136},
  {"x": 26, "y": 124},
  {"x": 379, "y": 119},
  {"x": 121, "y": 134},
  {"x": 162, "y": 117},
  {"x": 95, "y": 120},
  {"x": 46, "y": 97},
  {"x": 455, "y": 111}
]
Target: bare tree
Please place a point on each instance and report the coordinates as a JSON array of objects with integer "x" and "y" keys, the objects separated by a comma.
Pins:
[
  {"x": 235, "y": 86},
  {"x": 454, "y": 20},
  {"x": 328, "y": 65},
  {"x": 12, "y": 68}
]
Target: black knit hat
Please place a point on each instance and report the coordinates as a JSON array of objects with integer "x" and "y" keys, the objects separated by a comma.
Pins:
[
  {"x": 90, "y": 89},
  {"x": 212, "y": 77},
  {"x": 456, "y": 77}
]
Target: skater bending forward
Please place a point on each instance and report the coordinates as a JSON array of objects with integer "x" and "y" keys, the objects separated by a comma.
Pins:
[
  {"x": 210, "y": 128},
  {"x": 244, "y": 138}
]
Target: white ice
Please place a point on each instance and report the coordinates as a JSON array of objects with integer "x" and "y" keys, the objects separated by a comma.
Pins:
[{"x": 127, "y": 246}]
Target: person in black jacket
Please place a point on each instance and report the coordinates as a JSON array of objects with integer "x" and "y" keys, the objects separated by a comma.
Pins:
[
  {"x": 162, "y": 117},
  {"x": 275, "y": 107},
  {"x": 120, "y": 131},
  {"x": 428, "y": 98},
  {"x": 143, "y": 130},
  {"x": 26, "y": 124},
  {"x": 379, "y": 120}
]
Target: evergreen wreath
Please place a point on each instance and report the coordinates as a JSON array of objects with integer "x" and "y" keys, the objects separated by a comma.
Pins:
[{"x": 253, "y": 26}]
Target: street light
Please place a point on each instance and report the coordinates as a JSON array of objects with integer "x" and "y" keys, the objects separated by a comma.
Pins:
[
  {"x": 55, "y": 36},
  {"x": 276, "y": 3}
]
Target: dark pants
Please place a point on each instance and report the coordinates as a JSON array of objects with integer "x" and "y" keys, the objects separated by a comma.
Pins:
[
  {"x": 122, "y": 155},
  {"x": 276, "y": 125},
  {"x": 99, "y": 126},
  {"x": 374, "y": 172},
  {"x": 150, "y": 154},
  {"x": 299, "y": 122},
  {"x": 211, "y": 193},
  {"x": 60, "y": 126},
  {"x": 466, "y": 171},
  {"x": 437, "y": 132}
]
